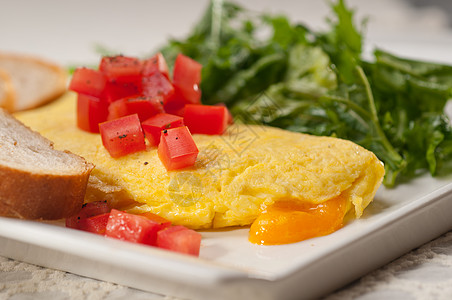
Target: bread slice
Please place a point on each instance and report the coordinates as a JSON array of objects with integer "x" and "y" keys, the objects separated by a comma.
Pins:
[
  {"x": 34, "y": 81},
  {"x": 37, "y": 181},
  {"x": 7, "y": 93}
]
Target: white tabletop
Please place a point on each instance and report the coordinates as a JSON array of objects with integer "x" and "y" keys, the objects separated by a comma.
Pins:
[{"x": 67, "y": 32}]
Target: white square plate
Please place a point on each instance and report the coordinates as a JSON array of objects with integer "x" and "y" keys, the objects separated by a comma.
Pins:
[{"x": 230, "y": 267}]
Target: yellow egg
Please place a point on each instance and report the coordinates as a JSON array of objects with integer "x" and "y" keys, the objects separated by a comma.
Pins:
[{"x": 236, "y": 175}]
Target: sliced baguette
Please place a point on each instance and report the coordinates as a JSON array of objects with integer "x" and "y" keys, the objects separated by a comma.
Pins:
[
  {"x": 37, "y": 181},
  {"x": 34, "y": 81},
  {"x": 7, "y": 93}
]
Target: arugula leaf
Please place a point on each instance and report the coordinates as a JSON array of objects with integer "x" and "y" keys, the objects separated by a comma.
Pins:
[
  {"x": 412, "y": 97},
  {"x": 343, "y": 43},
  {"x": 270, "y": 71}
]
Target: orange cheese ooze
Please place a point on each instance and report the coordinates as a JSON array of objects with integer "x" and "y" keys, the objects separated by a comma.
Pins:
[{"x": 288, "y": 222}]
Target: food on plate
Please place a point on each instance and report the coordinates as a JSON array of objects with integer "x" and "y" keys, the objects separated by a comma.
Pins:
[
  {"x": 37, "y": 181},
  {"x": 89, "y": 218},
  {"x": 123, "y": 135},
  {"x": 208, "y": 170},
  {"x": 194, "y": 170},
  {"x": 146, "y": 228},
  {"x": 270, "y": 70},
  {"x": 28, "y": 82},
  {"x": 236, "y": 176}
]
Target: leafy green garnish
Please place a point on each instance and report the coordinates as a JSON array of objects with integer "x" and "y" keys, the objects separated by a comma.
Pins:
[{"x": 270, "y": 71}]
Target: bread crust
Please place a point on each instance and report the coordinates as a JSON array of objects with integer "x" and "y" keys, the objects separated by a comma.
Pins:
[
  {"x": 9, "y": 94},
  {"x": 58, "y": 90},
  {"x": 41, "y": 194},
  {"x": 33, "y": 196}
]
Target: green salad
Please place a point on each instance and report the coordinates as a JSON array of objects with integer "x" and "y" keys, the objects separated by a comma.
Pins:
[{"x": 270, "y": 71}]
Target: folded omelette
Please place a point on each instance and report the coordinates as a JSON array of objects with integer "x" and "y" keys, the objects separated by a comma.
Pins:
[{"x": 236, "y": 175}]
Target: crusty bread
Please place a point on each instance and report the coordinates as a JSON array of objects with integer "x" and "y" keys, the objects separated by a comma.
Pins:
[
  {"x": 7, "y": 93},
  {"x": 34, "y": 81},
  {"x": 37, "y": 181}
]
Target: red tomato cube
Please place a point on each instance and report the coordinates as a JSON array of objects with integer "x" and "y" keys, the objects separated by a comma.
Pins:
[
  {"x": 132, "y": 228},
  {"x": 186, "y": 79},
  {"x": 121, "y": 68},
  {"x": 88, "y": 210},
  {"x": 156, "y": 63},
  {"x": 230, "y": 116},
  {"x": 96, "y": 224},
  {"x": 88, "y": 81},
  {"x": 186, "y": 94},
  {"x": 122, "y": 136},
  {"x": 153, "y": 126},
  {"x": 206, "y": 119},
  {"x": 115, "y": 90},
  {"x": 90, "y": 112},
  {"x": 180, "y": 239},
  {"x": 156, "y": 218},
  {"x": 177, "y": 149},
  {"x": 157, "y": 85},
  {"x": 144, "y": 107},
  {"x": 186, "y": 70},
  {"x": 174, "y": 107}
]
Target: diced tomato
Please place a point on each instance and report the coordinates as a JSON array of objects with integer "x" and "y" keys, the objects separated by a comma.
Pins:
[
  {"x": 180, "y": 239},
  {"x": 96, "y": 224},
  {"x": 156, "y": 218},
  {"x": 115, "y": 90},
  {"x": 206, "y": 119},
  {"x": 122, "y": 136},
  {"x": 188, "y": 94},
  {"x": 156, "y": 63},
  {"x": 88, "y": 210},
  {"x": 230, "y": 116},
  {"x": 186, "y": 79},
  {"x": 121, "y": 68},
  {"x": 177, "y": 149},
  {"x": 90, "y": 112},
  {"x": 157, "y": 85},
  {"x": 88, "y": 81},
  {"x": 174, "y": 107},
  {"x": 144, "y": 107},
  {"x": 153, "y": 126},
  {"x": 132, "y": 228},
  {"x": 186, "y": 70}
]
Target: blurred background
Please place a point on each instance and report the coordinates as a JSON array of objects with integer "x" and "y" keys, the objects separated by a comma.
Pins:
[{"x": 68, "y": 32}]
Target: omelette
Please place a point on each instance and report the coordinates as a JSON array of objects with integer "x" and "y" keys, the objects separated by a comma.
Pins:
[{"x": 237, "y": 176}]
